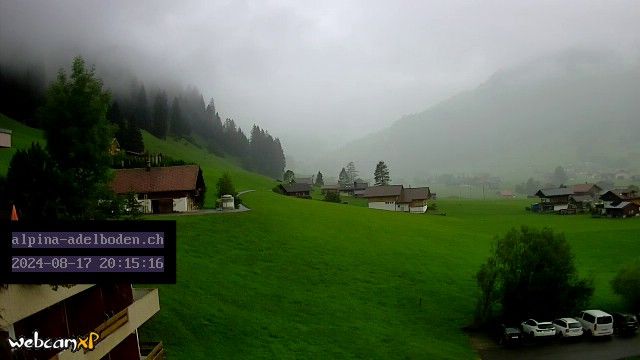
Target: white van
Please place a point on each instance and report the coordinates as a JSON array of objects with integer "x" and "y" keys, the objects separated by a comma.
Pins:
[{"x": 596, "y": 323}]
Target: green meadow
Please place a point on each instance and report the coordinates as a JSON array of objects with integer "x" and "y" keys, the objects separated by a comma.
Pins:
[{"x": 296, "y": 278}]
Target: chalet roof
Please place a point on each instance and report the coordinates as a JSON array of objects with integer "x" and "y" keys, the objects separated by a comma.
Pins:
[
  {"x": 410, "y": 194},
  {"x": 296, "y": 187},
  {"x": 620, "y": 205},
  {"x": 619, "y": 194},
  {"x": 584, "y": 188},
  {"x": 305, "y": 180},
  {"x": 156, "y": 179},
  {"x": 582, "y": 198},
  {"x": 383, "y": 190},
  {"x": 554, "y": 192}
]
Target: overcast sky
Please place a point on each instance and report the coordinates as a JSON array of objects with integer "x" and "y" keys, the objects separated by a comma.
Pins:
[{"x": 318, "y": 71}]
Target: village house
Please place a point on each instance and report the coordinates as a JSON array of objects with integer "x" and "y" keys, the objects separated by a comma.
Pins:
[
  {"x": 306, "y": 179},
  {"x": 397, "y": 198},
  {"x": 296, "y": 189},
  {"x": 506, "y": 194},
  {"x": 5, "y": 138},
  {"x": 620, "y": 194},
  {"x": 356, "y": 189},
  {"x": 622, "y": 209},
  {"x": 553, "y": 200},
  {"x": 585, "y": 196},
  {"x": 162, "y": 189}
]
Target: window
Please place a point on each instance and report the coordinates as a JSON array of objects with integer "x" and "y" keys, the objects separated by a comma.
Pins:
[
  {"x": 605, "y": 320},
  {"x": 590, "y": 318}
]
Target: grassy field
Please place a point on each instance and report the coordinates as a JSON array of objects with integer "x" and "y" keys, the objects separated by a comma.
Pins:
[
  {"x": 21, "y": 138},
  {"x": 298, "y": 278}
]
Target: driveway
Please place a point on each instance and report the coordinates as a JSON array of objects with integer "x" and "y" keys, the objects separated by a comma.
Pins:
[
  {"x": 585, "y": 349},
  {"x": 241, "y": 208}
]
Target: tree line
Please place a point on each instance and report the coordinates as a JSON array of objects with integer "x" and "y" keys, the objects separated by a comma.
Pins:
[{"x": 182, "y": 115}]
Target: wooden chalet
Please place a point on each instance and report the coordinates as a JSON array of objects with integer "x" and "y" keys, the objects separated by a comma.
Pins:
[
  {"x": 397, "y": 198},
  {"x": 622, "y": 209},
  {"x": 619, "y": 195},
  {"x": 553, "y": 200},
  {"x": 162, "y": 189},
  {"x": 356, "y": 189},
  {"x": 296, "y": 189}
]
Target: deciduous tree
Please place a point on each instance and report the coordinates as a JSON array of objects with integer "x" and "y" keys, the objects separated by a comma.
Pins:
[{"x": 530, "y": 274}]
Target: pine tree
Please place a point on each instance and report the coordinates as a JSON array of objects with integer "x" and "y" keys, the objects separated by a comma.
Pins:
[
  {"x": 178, "y": 126},
  {"x": 289, "y": 177},
  {"x": 352, "y": 173},
  {"x": 343, "y": 178},
  {"x": 160, "y": 115},
  {"x": 381, "y": 174},
  {"x": 78, "y": 137},
  {"x": 141, "y": 109},
  {"x": 319, "y": 180}
]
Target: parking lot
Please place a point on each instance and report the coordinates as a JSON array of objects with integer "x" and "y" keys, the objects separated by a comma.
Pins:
[{"x": 586, "y": 349}]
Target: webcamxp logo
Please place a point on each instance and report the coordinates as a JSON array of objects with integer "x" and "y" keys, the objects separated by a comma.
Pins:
[{"x": 74, "y": 344}]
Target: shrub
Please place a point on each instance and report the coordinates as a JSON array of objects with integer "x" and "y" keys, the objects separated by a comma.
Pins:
[
  {"x": 331, "y": 196},
  {"x": 626, "y": 283}
]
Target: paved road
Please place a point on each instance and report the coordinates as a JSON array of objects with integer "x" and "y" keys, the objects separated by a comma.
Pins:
[{"x": 584, "y": 349}]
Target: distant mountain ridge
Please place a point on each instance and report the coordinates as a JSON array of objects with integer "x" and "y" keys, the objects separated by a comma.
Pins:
[{"x": 573, "y": 108}]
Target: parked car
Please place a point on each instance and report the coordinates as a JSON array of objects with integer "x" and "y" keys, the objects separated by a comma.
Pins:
[
  {"x": 596, "y": 323},
  {"x": 567, "y": 327},
  {"x": 534, "y": 328},
  {"x": 508, "y": 335},
  {"x": 625, "y": 324}
]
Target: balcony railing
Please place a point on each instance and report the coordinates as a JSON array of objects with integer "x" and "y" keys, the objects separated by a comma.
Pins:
[
  {"x": 152, "y": 351},
  {"x": 117, "y": 328}
]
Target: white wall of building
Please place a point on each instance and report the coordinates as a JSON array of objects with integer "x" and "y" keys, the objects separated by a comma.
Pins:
[
  {"x": 181, "y": 204},
  {"x": 381, "y": 205},
  {"x": 418, "y": 209}
]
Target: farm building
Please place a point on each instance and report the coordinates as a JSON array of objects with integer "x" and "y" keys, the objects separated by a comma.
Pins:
[
  {"x": 622, "y": 209},
  {"x": 162, "y": 189},
  {"x": 356, "y": 189},
  {"x": 619, "y": 195},
  {"x": 506, "y": 194},
  {"x": 5, "y": 138},
  {"x": 397, "y": 198},
  {"x": 591, "y": 190},
  {"x": 296, "y": 189},
  {"x": 554, "y": 200},
  {"x": 306, "y": 179}
]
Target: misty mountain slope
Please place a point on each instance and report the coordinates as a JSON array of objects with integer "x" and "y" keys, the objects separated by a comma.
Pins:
[{"x": 527, "y": 119}]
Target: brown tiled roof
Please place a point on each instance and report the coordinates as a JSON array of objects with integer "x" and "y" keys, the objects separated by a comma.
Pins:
[
  {"x": 410, "y": 194},
  {"x": 155, "y": 179},
  {"x": 384, "y": 190}
]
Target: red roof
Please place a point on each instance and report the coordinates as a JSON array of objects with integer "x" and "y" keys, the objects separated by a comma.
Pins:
[{"x": 156, "y": 179}]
